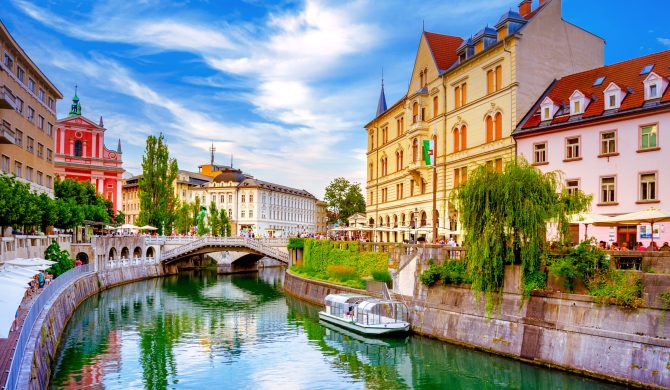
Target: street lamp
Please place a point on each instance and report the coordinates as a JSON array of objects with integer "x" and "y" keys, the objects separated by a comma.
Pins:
[{"x": 416, "y": 224}]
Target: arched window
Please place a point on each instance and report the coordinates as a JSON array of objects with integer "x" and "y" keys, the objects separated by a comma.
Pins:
[
  {"x": 402, "y": 220},
  {"x": 372, "y": 141},
  {"x": 424, "y": 219},
  {"x": 498, "y": 126},
  {"x": 457, "y": 140},
  {"x": 401, "y": 160},
  {"x": 77, "y": 148},
  {"x": 415, "y": 112},
  {"x": 395, "y": 221},
  {"x": 397, "y": 161},
  {"x": 435, "y": 106},
  {"x": 371, "y": 222},
  {"x": 489, "y": 128},
  {"x": 415, "y": 150},
  {"x": 371, "y": 171},
  {"x": 464, "y": 138}
]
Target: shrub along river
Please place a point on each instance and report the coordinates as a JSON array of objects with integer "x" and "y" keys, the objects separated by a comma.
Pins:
[{"x": 203, "y": 330}]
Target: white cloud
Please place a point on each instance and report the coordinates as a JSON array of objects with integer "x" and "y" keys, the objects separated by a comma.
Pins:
[{"x": 664, "y": 41}]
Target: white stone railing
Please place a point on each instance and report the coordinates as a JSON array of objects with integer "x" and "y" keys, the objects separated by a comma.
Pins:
[
  {"x": 237, "y": 242},
  {"x": 26, "y": 246},
  {"x": 135, "y": 261}
]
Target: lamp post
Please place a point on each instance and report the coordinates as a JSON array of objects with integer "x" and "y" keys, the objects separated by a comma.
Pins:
[{"x": 416, "y": 224}]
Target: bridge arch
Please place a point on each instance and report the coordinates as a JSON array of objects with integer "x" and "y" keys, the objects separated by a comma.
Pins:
[
  {"x": 112, "y": 253},
  {"x": 150, "y": 252},
  {"x": 137, "y": 252},
  {"x": 83, "y": 257},
  {"x": 125, "y": 252}
]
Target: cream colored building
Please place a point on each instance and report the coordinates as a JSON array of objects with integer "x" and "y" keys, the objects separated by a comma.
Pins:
[
  {"x": 468, "y": 95},
  {"x": 266, "y": 209},
  {"x": 186, "y": 181},
  {"x": 27, "y": 117},
  {"x": 321, "y": 217}
]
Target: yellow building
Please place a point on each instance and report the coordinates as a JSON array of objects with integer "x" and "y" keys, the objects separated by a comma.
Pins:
[
  {"x": 468, "y": 95},
  {"x": 321, "y": 217},
  {"x": 27, "y": 117}
]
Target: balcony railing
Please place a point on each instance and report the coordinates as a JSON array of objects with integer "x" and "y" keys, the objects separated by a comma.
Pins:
[
  {"x": 6, "y": 134},
  {"x": 7, "y": 99}
]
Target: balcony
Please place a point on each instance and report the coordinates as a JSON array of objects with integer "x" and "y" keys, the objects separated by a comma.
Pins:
[
  {"x": 418, "y": 125},
  {"x": 6, "y": 134},
  {"x": 7, "y": 99}
]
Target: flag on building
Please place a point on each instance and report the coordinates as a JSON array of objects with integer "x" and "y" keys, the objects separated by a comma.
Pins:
[{"x": 429, "y": 152}]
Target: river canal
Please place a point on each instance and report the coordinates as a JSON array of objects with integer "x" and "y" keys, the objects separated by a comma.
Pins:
[{"x": 208, "y": 331}]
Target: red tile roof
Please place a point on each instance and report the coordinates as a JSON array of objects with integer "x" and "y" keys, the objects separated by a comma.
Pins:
[
  {"x": 443, "y": 48},
  {"x": 534, "y": 12},
  {"x": 624, "y": 74}
]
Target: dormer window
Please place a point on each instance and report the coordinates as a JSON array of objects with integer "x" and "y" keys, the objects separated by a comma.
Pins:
[
  {"x": 613, "y": 96},
  {"x": 654, "y": 85},
  {"x": 578, "y": 103},
  {"x": 548, "y": 109}
]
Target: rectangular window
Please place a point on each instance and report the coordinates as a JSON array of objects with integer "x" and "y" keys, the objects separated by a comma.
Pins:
[
  {"x": 50, "y": 129},
  {"x": 411, "y": 187},
  {"x": 490, "y": 81},
  {"x": 648, "y": 187},
  {"x": 547, "y": 113},
  {"x": 457, "y": 97},
  {"x": 50, "y": 158},
  {"x": 612, "y": 101},
  {"x": 20, "y": 74},
  {"x": 40, "y": 150},
  {"x": 29, "y": 173},
  {"x": 572, "y": 185},
  {"x": 251, "y": 213},
  {"x": 18, "y": 169},
  {"x": 5, "y": 163},
  {"x": 49, "y": 181},
  {"x": 243, "y": 198},
  {"x": 499, "y": 165},
  {"x": 648, "y": 137},
  {"x": 9, "y": 61},
  {"x": 653, "y": 90},
  {"x": 52, "y": 104},
  {"x": 41, "y": 95},
  {"x": 19, "y": 137},
  {"x": 464, "y": 93},
  {"x": 40, "y": 122},
  {"x": 230, "y": 198},
  {"x": 223, "y": 198},
  {"x": 607, "y": 189},
  {"x": 251, "y": 198},
  {"x": 19, "y": 105},
  {"x": 540, "y": 153},
  {"x": 572, "y": 148},
  {"x": 31, "y": 85},
  {"x": 576, "y": 107},
  {"x": 40, "y": 177},
  {"x": 31, "y": 114},
  {"x": 30, "y": 144},
  {"x": 457, "y": 177},
  {"x": 498, "y": 77},
  {"x": 608, "y": 142}
]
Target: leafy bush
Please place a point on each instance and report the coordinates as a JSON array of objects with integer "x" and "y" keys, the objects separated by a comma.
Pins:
[
  {"x": 296, "y": 243},
  {"x": 319, "y": 254},
  {"x": 617, "y": 287},
  {"x": 61, "y": 257},
  {"x": 341, "y": 273},
  {"x": 451, "y": 272},
  {"x": 582, "y": 262},
  {"x": 534, "y": 281},
  {"x": 431, "y": 276},
  {"x": 382, "y": 276}
]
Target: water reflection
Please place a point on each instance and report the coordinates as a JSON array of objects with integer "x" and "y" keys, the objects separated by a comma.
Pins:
[{"x": 201, "y": 329}]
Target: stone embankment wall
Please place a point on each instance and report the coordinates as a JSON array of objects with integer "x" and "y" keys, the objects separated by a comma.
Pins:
[
  {"x": 45, "y": 336},
  {"x": 561, "y": 330}
]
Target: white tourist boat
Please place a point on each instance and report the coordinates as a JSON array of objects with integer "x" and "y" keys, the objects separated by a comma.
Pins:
[{"x": 366, "y": 315}]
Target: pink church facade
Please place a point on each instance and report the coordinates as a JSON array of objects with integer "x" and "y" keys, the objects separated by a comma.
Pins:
[
  {"x": 608, "y": 131},
  {"x": 81, "y": 154}
]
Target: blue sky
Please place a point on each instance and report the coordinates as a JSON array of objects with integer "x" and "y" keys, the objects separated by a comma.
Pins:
[{"x": 285, "y": 86}]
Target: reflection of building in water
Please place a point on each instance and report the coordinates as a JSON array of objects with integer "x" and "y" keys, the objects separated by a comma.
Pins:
[
  {"x": 105, "y": 363},
  {"x": 372, "y": 351}
]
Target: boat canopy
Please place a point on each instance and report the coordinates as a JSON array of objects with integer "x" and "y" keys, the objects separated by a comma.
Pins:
[
  {"x": 344, "y": 298},
  {"x": 376, "y": 311}
]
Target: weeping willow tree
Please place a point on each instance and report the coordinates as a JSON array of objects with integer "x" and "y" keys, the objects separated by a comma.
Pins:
[{"x": 505, "y": 216}]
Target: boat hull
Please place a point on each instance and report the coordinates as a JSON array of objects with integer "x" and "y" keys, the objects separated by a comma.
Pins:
[{"x": 372, "y": 330}]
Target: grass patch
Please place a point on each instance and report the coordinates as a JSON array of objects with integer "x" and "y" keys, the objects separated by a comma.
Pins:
[
  {"x": 617, "y": 287},
  {"x": 335, "y": 277}
]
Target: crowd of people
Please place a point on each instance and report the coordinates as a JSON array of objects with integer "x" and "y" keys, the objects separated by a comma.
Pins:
[{"x": 637, "y": 246}]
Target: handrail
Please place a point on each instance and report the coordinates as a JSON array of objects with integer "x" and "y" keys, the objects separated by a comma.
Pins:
[
  {"x": 49, "y": 292},
  {"x": 251, "y": 243}
]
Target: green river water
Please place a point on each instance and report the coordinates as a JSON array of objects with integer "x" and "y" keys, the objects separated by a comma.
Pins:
[{"x": 203, "y": 331}]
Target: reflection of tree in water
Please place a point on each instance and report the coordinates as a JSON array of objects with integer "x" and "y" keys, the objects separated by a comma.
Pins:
[
  {"x": 372, "y": 362},
  {"x": 157, "y": 340}
]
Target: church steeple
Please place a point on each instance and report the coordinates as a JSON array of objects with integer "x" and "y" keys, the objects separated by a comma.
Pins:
[
  {"x": 381, "y": 105},
  {"x": 75, "y": 108}
]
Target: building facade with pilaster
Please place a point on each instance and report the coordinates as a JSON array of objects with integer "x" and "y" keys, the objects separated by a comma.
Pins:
[{"x": 467, "y": 95}]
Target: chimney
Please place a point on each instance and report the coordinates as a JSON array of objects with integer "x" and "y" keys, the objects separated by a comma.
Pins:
[
  {"x": 542, "y": 1},
  {"x": 525, "y": 7}
]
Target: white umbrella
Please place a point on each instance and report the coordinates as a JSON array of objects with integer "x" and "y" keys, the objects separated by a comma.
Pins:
[
  {"x": 147, "y": 227},
  {"x": 651, "y": 216},
  {"x": 589, "y": 219},
  {"x": 128, "y": 226},
  {"x": 34, "y": 262}
]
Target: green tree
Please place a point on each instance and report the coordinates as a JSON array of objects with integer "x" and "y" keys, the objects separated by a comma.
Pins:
[
  {"x": 202, "y": 224},
  {"x": 504, "y": 216},
  {"x": 344, "y": 199},
  {"x": 120, "y": 217},
  {"x": 183, "y": 218},
  {"x": 213, "y": 219},
  {"x": 224, "y": 223},
  {"x": 157, "y": 199},
  {"x": 61, "y": 257}
]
